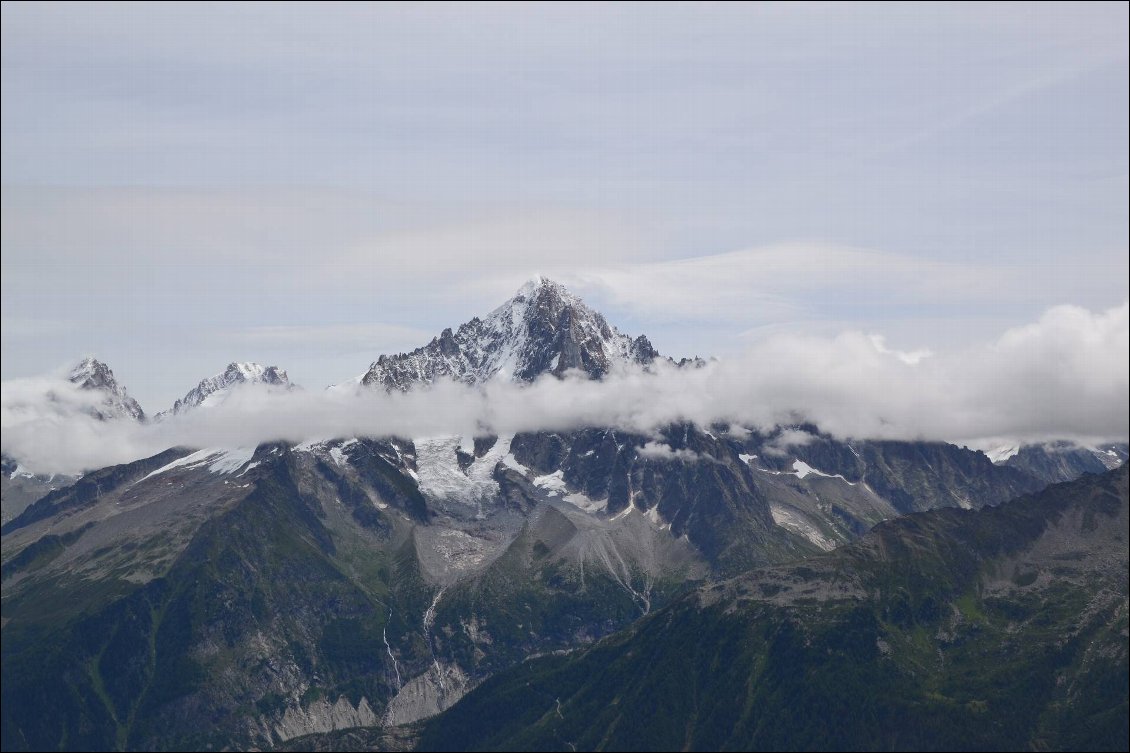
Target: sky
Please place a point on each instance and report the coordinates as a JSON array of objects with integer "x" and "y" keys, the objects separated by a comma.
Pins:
[{"x": 311, "y": 186}]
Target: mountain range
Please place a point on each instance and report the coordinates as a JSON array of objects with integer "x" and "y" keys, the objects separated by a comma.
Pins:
[{"x": 351, "y": 588}]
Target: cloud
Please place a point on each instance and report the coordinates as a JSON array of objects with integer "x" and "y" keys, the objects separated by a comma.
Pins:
[
  {"x": 788, "y": 438},
  {"x": 1063, "y": 376},
  {"x": 660, "y": 451}
]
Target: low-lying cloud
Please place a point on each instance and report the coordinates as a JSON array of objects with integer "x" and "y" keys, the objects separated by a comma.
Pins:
[{"x": 1063, "y": 376}]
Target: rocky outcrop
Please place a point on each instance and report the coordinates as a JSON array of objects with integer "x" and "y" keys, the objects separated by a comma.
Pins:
[
  {"x": 427, "y": 695},
  {"x": 321, "y": 716}
]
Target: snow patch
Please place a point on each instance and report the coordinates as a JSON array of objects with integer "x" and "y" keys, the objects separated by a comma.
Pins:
[
  {"x": 1000, "y": 453},
  {"x": 552, "y": 483},
  {"x": 512, "y": 463},
  {"x": 222, "y": 460},
  {"x": 803, "y": 470},
  {"x": 230, "y": 461},
  {"x": 441, "y": 478}
]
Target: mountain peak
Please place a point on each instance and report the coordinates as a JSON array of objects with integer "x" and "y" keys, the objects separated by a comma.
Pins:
[
  {"x": 214, "y": 389},
  {"x": 538, "y": 284},
  {"x": 94, "y": 375},
  {"x": 91, "y": 371},
  {"x": 255, "y": 373},
  {"x": 543, "y": 328}
]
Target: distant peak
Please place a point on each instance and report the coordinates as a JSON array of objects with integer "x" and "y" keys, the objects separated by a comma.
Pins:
[
  {"x": 543, "y": 329},
  {"x": 86, "y": 366},
  {"x": 92, "y": 374},
  {"x": 538, "y": 283},
  {"x": 251, "y": 371},
  {"x": 213, "y": 389}
]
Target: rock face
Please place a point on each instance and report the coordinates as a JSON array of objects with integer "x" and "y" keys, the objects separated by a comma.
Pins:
[
  {"x": 320, "y": 717},
  {"x": 213, "y": 390},
  {"x": 436, "y": 690},
  {"x": 543, "y": 329},
  {"x": 92, "y": 374}
]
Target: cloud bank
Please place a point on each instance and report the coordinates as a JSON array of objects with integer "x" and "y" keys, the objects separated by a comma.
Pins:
[{"x": 1063, "y": 376}]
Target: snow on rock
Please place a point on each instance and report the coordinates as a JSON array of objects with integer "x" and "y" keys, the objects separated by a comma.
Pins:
[
  {"x": 543, "y": 329},
  {"x": 220, "y": 460},
  {"x": 230, "y": 461},
  {"x": 512, "y": 463},
  {"x": 1000, "y": 453},
  {"x": 442, "y": 479},
  {"x": 552, "y": 483},
  {"x": 91, "y": 374},
  {"x": 215, "y": 389},
  {"x": 803, "y": 470}
]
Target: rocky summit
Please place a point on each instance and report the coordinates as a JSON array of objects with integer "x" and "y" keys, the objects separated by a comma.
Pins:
[
  {"x": 543, "y": 329},
  {"x": 91, "y": 374},
  {"x": 214, "y": 389}
]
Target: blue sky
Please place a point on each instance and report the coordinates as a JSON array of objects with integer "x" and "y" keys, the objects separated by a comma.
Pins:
[{"x": 187, "y": 185}]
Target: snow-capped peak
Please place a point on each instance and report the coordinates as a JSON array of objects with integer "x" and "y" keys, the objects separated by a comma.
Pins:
[
  {"x": 92, "y": 374},
  {"x": 537, "y": 283},
  {"x": 214, "y": 389},
  {"x": 544, "y": 328}
]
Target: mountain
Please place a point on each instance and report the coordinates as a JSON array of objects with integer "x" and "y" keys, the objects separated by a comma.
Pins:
[
  {"x": 91, "y": 374},
  {"x": 543, "y": 329},
  {"x": 249, "y": 597},
  {"x": 19, "y": 487},
  {"x": 1052, "y": 462},
  {"x": 215, "y": 389},
  {"x": 998, "y": 629},
  {"x": 832, "y": 490},
  {"x": 246, "y": 597}
]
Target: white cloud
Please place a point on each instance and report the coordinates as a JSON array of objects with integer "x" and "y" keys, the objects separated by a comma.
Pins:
[
  {"x": 780, "y": 445},
  {"x": 661, "y": 451},
  {"x": 1064, "y": 376}
]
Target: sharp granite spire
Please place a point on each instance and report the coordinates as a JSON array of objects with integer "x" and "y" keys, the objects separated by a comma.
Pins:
[
  {"x": 543, "y": 329},
  {"x": 92, "y": 374}
]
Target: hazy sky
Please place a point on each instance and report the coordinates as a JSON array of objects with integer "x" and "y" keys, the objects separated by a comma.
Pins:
[{"x": 311, "y": 186}]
